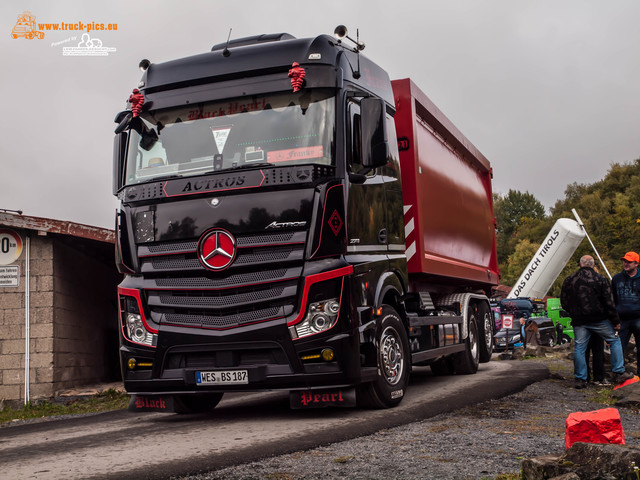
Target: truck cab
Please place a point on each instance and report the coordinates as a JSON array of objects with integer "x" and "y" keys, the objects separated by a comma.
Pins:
[{"x": 561, "y": 319}]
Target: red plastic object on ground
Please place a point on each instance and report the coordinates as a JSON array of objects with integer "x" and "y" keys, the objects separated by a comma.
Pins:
[
  {"x": 628, "y": 382},
  {"x": 598, "y": 426}
]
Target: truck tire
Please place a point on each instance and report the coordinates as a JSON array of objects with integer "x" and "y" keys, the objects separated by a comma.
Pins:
[
  {"x": 394, "y": 364},
  {"x": 487, "y": 325},
  {"x": 466, "y": 362},
  {"x": 196, "y": 403}
]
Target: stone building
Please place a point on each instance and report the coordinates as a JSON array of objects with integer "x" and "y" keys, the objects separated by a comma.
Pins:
[{"x": 58, "y": 307}]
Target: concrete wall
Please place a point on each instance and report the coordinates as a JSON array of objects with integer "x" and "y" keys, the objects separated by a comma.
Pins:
[
  {"x": 73, "y": 318},
  {"x": 12, "y": 321},
  {"x": 85, "y": 331}
]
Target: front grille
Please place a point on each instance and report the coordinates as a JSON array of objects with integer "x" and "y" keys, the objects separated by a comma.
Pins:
[
  {"x": 261, "y": 284},
  {"x": 228, "y": 281},
  {"x": 225, "y": 321}
]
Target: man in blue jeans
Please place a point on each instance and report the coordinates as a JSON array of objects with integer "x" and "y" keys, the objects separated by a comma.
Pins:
[
  {"x": 625, "y": 287},
  {"x": 586, "y": 295}
]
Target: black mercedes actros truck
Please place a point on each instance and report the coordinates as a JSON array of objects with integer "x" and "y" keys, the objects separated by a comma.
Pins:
[{"x": 293, "y": 220}]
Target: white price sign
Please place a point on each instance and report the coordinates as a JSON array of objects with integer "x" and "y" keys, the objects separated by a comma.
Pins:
[
  {"x": 10, "y": 246},
  {"x": 507, "y": 321}
]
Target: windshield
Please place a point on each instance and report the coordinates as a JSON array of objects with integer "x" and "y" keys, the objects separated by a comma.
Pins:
[{"x": 286, "y": 128}]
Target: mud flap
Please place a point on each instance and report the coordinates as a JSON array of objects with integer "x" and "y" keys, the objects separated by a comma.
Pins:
[
  {"x": 151, "y": 403},
  {"x": 342, "y": 397}
]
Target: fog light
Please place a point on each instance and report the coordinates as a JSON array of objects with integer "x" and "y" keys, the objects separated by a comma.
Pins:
[
  {"x": 328, "y": 354},
  {"x": 132, "y": 363},
  {"x": 307, "y": 358}
]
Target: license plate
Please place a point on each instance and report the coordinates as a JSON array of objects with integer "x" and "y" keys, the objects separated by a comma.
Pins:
[{"x": 224, "y": 377}]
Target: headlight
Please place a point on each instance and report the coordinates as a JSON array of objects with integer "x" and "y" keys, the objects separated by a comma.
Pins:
[
  {"x": 321, "y": 316},
  {"x": 136, "y": 331},
  {"x": 134, "y": 325}
]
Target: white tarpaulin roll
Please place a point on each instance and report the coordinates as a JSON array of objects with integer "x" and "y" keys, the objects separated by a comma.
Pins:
[{"x": 553, "y": 254}]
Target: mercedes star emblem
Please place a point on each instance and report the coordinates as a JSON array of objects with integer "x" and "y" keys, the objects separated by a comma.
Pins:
[{"x": 216, "y": 249}]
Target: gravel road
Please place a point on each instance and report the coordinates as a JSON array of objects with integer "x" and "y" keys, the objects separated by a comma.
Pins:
[{"x": 479, "y": 442}]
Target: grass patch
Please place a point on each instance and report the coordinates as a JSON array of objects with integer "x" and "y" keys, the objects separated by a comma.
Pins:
[
  {"x": 279, "y": 476},
  {"x": 101, "y": 402},
  {"x": 603, "y": 396}
]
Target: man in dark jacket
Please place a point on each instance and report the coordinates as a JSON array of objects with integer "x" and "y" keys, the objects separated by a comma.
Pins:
[
  {"x": 625, "y": 287},
  {"x": 586, "y": 295}
]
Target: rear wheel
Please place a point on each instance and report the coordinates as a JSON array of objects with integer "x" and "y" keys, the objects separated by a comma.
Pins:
[
  {"x": 196, "y": 403},
  {"x": 564, "y": 338},
  {"x": 394, "y": 364},
  {"x": 486, "y": 323},
  {"x": 466, "y": 362}
]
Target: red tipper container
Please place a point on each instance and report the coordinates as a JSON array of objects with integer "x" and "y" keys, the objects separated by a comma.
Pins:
[{"x": 446, "y": 184}]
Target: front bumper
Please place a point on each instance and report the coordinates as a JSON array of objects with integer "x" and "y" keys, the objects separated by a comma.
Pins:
[{"x": 271, "y": 364}]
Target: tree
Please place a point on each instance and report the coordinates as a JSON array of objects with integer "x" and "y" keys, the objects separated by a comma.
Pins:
[
  {"x": 512, "y": 211},
  {"x": 515, "y": 208},
  {"x": 610, "y": 210},
  {"x": 518, "y": 261}
]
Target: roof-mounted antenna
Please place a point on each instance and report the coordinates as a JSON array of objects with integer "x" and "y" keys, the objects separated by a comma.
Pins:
[
  {"x": 341, "y": 32},
  {"x": 226, "y": 52}
]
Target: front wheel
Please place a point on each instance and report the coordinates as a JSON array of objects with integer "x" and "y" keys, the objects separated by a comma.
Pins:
[{"x": 394, "y": 364}]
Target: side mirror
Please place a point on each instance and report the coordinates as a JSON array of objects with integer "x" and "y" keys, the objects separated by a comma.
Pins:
[
  {"x": 375, "y": 147},
  {"x": 123, "y": 119},
  {"x": 119, "y": 154}
]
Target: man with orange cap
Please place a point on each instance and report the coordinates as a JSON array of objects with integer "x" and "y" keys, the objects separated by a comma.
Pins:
[{"x": 625, "y": 287}]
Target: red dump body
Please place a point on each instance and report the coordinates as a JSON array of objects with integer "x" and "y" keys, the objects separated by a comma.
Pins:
[{"x": 446, "y": 183}]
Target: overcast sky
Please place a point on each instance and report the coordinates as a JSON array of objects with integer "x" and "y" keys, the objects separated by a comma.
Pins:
[{"x": 548, "y": 91}]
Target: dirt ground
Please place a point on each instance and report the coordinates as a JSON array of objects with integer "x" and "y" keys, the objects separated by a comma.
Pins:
[{"x": 485, "y": 441}]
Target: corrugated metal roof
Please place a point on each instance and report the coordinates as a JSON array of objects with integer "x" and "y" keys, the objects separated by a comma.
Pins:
[{"x": 62, "y": 227}]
